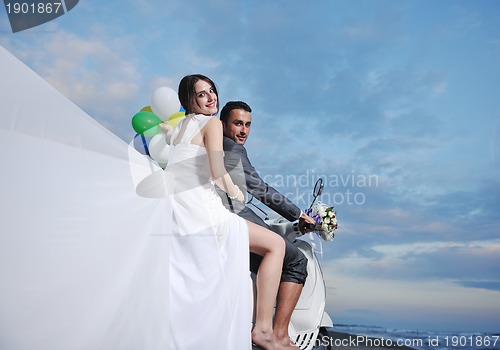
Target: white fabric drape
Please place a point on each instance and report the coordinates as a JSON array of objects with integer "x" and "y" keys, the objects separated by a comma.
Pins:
[{"x": 83, "y": 236}]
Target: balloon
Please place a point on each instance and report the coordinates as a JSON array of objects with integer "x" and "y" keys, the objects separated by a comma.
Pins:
[
  {"x": 146, "y": 123},
  {"x": 165, "y": 102},
  {"x": 177, "y": 115},
  {"x": 141, "y": 144},
  {"x": 146, "y": 109},
  {"x": 159, "y": 149},
  {"x": 176, "y": 118}
]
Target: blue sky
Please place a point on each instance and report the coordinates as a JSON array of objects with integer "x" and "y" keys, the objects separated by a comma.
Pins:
[{"x": 395, "y": 103}]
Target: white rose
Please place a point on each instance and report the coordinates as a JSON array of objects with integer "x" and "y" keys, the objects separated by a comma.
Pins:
[
  {"x": 327, "y": 220},
  {"x": 331, "y": 214}
]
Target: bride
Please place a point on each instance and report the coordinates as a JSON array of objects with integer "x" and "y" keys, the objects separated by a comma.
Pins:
[{"x": 209, "y": 293}]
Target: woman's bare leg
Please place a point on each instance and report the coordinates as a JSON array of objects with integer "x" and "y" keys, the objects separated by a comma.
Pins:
[{"x": 272, "y": 249}]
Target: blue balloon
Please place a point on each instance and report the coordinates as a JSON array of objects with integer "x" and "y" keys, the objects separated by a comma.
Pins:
[{"x": 141, "y": 143}]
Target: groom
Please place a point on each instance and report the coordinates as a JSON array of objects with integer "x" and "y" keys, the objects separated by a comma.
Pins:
[{"x": 236, "y": 120}]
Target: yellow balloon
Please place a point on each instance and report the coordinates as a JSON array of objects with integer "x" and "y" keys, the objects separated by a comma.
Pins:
[
  {"x": 176, "y": 118},
  {"x": 174, "y": 122},
  {"x": 177, "y": 115},
  {"x": 146, "y": 109}
]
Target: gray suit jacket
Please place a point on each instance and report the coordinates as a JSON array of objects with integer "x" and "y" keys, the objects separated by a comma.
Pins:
[{"x": 235, "y": 155}]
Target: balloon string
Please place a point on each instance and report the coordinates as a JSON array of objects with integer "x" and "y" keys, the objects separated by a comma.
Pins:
[{"x": 145, "y": 144}]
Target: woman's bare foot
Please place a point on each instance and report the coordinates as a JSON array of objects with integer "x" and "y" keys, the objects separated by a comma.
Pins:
[
  {"x": 284, "y": 344},
  {"x": 263, "y": 338}
]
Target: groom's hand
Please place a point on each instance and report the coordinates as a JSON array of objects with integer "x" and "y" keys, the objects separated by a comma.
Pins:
[{"x": 306, "y": 223}]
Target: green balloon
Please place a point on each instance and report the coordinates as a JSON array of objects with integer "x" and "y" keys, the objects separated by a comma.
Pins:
[{"x": 146, "y": 123}]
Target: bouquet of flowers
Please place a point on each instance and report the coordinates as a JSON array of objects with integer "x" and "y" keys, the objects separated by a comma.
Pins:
[{"x": 326, "y": 220}]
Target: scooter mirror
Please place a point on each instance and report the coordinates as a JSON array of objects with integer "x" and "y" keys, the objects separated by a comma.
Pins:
[{"x": 318, "y": 188}]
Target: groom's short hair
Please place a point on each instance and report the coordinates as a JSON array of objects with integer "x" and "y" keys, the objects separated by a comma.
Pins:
[{"x": 226, "y": 110}]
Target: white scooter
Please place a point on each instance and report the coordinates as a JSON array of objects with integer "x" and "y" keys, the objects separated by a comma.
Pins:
[{"x": 309, "y": 319}]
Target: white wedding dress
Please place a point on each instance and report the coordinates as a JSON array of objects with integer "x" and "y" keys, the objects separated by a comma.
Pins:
[
  {"x": 99, "y": 247},
  {"x": 209, "y": 272}
]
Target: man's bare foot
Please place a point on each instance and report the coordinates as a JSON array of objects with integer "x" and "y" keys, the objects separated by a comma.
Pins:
[
  {"x": 284, "y": 343},
  {"x": 263, "y": 338}
]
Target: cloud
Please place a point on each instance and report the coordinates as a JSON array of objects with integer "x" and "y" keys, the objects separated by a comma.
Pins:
[
  {"x": 474, "y": 264},
  {"x": 96, "y": 75},
  {"x": 488, "y": 285}
]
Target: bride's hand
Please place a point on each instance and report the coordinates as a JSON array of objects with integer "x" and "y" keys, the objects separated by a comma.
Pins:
[
  {"x": 165, "y": 128},
  {"x": 241, "y": 197}
]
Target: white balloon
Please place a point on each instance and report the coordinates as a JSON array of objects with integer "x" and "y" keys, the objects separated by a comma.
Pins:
[
  {"x": 164, "y": 102},
  {"x": 158, "y": 148}
]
